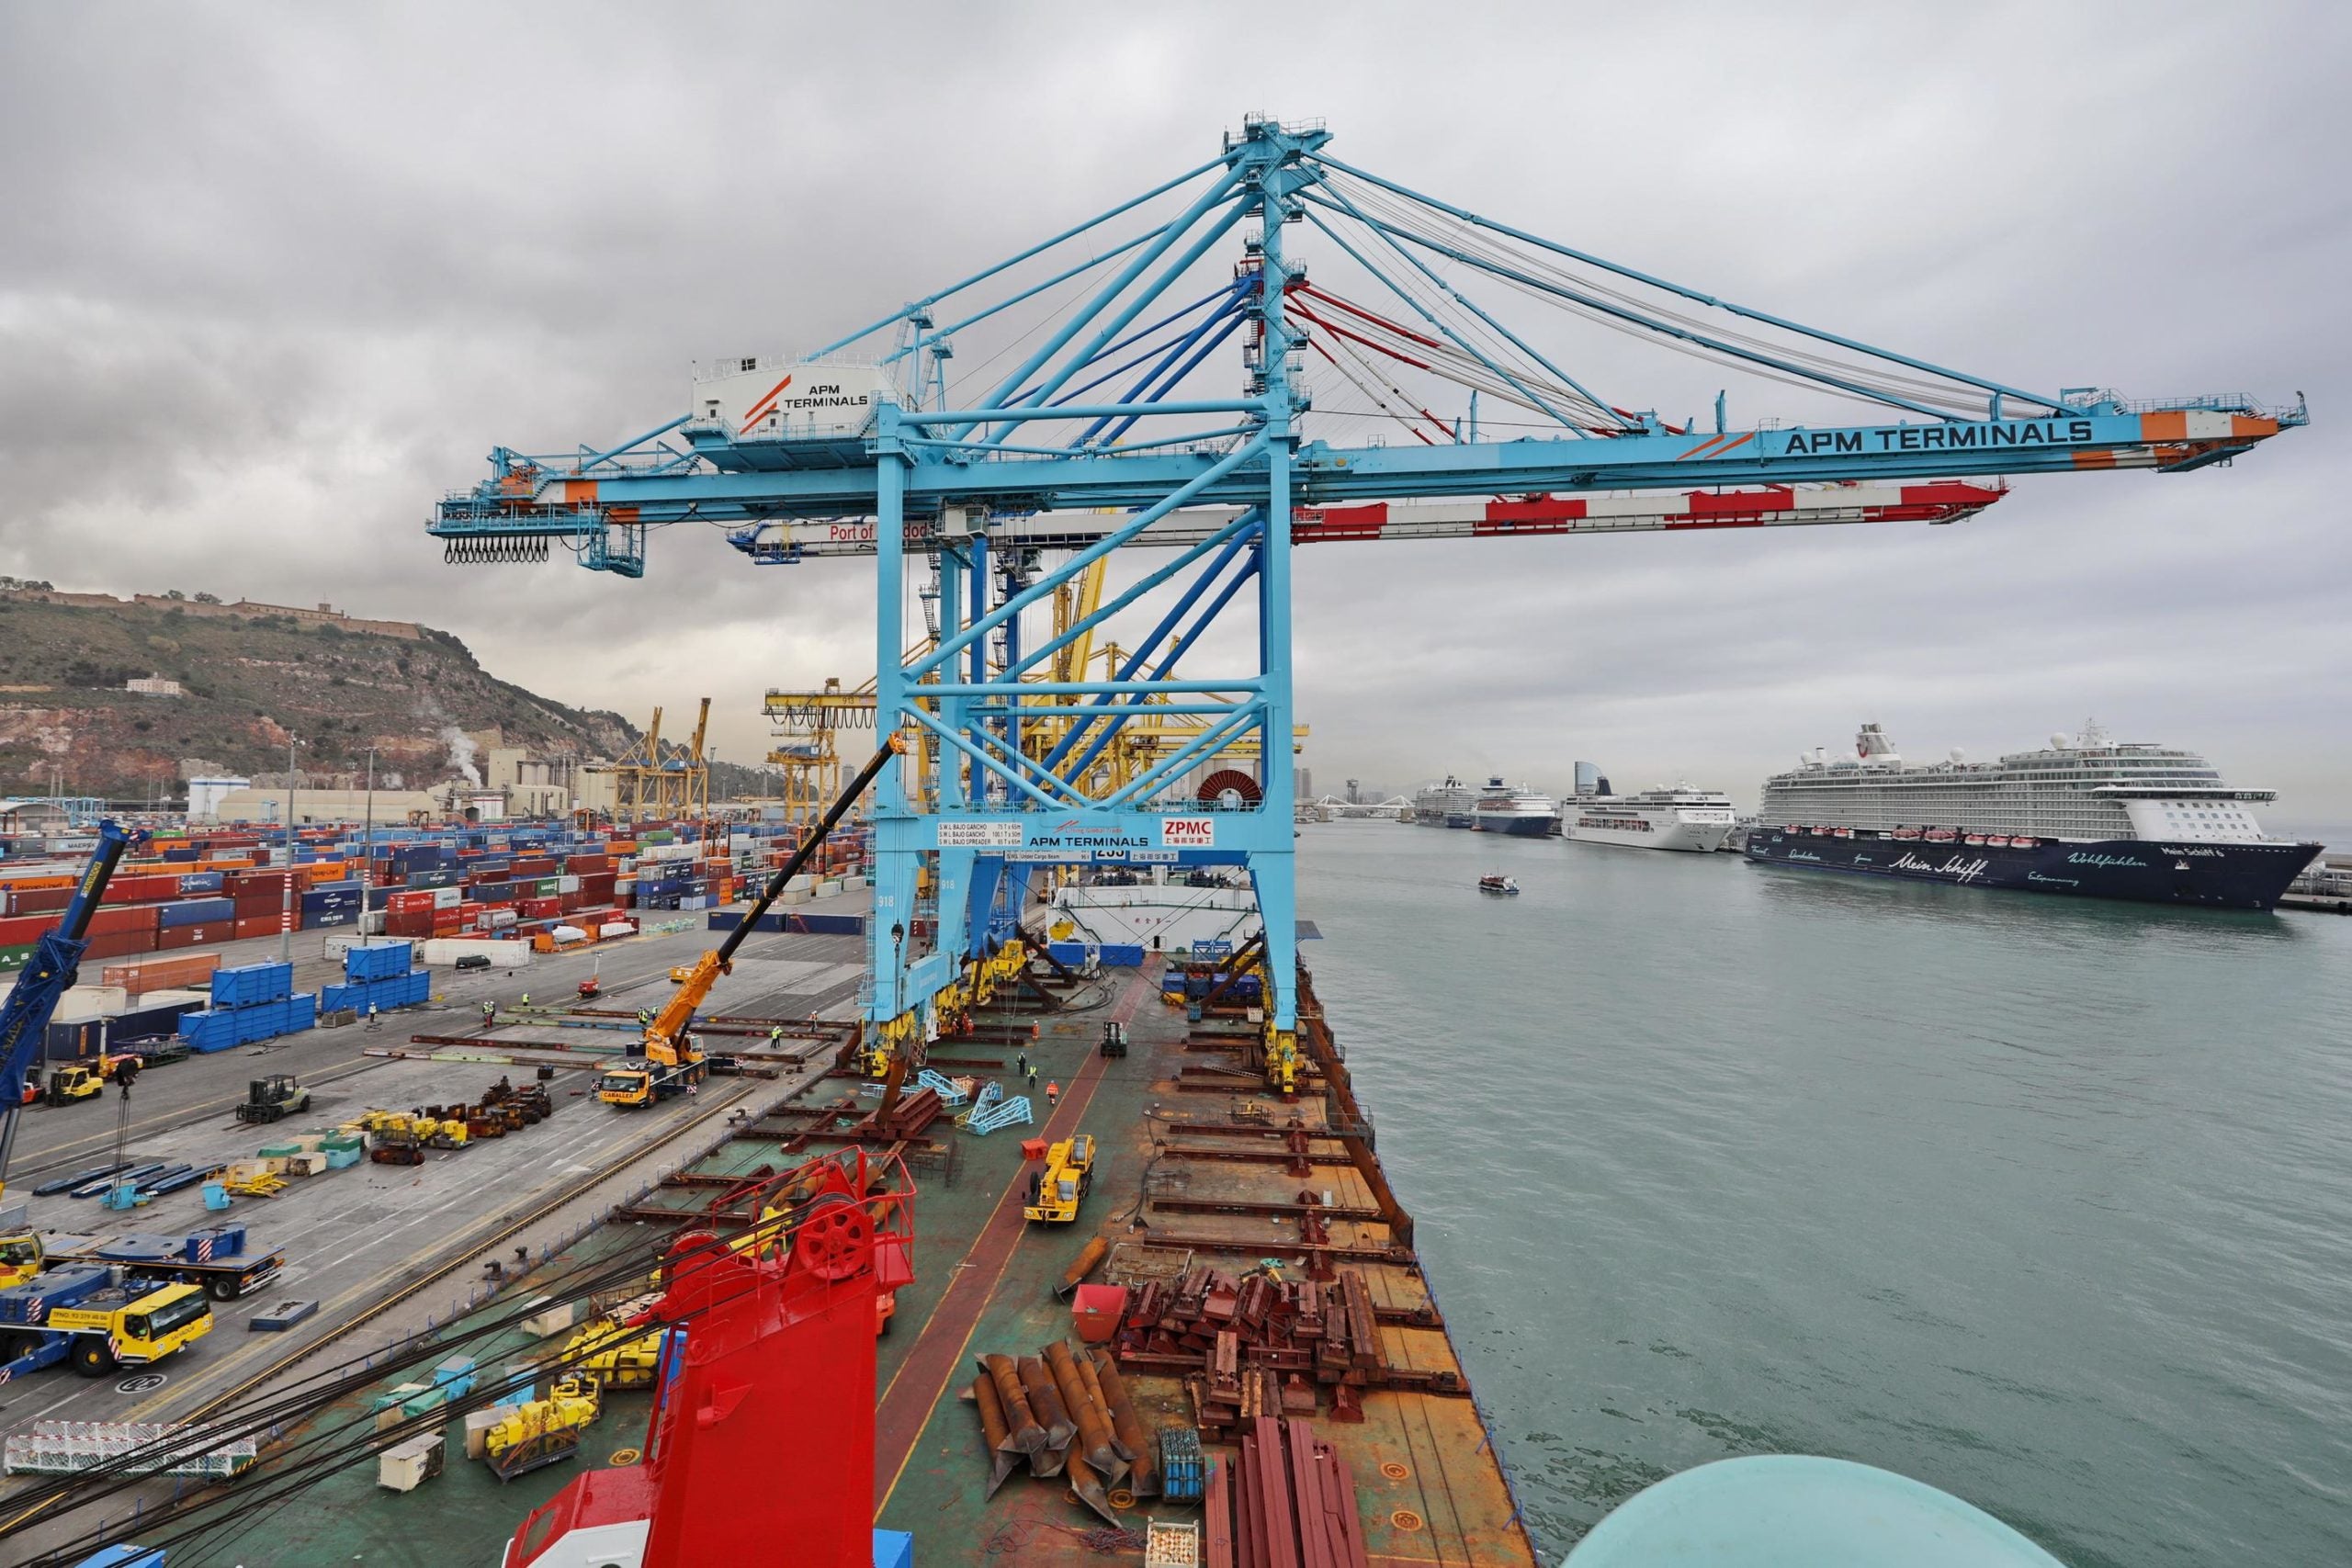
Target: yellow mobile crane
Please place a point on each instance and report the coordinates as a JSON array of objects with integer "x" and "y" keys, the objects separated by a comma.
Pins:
[{"x": 669, "y": 1061}]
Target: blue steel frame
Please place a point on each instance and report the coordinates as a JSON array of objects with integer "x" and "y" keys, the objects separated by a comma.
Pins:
[
  {"x": 984, "y": 810},
  {"x": 987, "y": 808}
]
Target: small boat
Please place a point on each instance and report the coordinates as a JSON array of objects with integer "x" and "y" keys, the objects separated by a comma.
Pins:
[
  {"x": 1941, "y": 835},
  {"x": 1974, "y": 838},
  {"x": 1497, "y": 884},
  {"x": 1906, "y": 832}
]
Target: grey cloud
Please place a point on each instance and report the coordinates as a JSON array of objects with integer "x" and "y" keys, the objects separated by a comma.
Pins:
[{"x": 275, "y": 276}]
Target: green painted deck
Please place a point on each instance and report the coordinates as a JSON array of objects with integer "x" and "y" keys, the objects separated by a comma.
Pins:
[{"x": 1430, "y": 1489}]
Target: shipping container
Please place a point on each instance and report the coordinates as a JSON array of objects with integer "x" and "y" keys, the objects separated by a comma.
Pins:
[
  {"x": 198, "y": 912},
  {"x": 120, "y": 944},
  {"x": 161, "y": 973}
]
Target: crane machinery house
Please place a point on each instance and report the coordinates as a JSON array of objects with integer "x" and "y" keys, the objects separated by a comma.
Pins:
[{"x": 756, "y": 396}]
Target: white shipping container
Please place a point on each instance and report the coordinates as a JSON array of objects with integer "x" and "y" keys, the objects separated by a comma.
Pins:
[
  {"x": 567, "y": 884},
  {"x": 501, "y": 954},
  {"x": 615, "y": 928},
  {"x": 447, "y": 897},
  {"x": 497, "y": 920},
  {"x": 86, "y": 1004}
]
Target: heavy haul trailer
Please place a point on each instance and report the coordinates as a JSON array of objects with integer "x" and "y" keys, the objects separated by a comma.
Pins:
[
  {"x": 214, "y": 1258},
  {"x": 81, "y": 1314}
]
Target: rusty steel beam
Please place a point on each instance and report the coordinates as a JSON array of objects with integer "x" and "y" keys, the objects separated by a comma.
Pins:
[
  {"x": 1292, "y": 1210},
  {"x": 1256, "y": 1157},
  {"x": 1259, "y": 1244}
]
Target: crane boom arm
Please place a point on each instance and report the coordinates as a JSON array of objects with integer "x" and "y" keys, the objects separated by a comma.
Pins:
[
  {"x": 56, "y": 961},
  {"x": 665, "y": 1036}
]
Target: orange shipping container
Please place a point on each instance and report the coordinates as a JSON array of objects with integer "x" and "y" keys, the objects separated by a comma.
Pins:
[{"x": 162, "y": 974}]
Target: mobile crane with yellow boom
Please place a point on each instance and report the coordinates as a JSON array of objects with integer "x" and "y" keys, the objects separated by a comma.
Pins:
[{"x": 669, "y": 1060}]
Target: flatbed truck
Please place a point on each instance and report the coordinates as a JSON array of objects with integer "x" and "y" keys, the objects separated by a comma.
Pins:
[
  {"x": 215, "y": 1259},
  {"x": 82, "y": 1315}
]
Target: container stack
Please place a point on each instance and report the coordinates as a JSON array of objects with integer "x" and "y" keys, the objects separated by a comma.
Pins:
[
  {"x": 255, "y": 1002},
  {"x": 378, "y": 976}
]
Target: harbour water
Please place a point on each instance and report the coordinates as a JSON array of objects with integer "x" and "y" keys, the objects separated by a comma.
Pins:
[{"x": 2048, "y": 1203}]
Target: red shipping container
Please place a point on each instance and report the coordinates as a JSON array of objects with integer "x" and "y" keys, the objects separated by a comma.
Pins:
[
  {"x": 120, "y": 944},
  {"x": 141, "y": 889},
  {"x": 38, "y": 900},
  {"x": 24, "y": 929},
  {"x": 259, "y": 925},
  {"x": 174, "y": 937},
  {"x": 128, "y": 917}
]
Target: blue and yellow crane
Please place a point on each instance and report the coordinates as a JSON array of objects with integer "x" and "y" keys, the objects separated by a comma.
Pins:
[
  {"x": 1168, "y": 374},
  {"x": 54, "y": 968}
]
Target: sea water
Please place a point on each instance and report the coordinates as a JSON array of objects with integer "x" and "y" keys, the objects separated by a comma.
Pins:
[{"x": 2046, "y": 1203}]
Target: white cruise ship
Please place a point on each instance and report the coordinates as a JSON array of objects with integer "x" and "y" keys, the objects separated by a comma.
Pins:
[
  {"x": 1522, "y": 811},
  {"x": 1448, "y": 805},
  {"x": 1679, "y": 818},
  {"x": 2088, "y": 816}
]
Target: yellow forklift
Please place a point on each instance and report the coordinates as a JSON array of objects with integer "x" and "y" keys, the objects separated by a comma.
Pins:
[{"x": 85, "y": 1080}]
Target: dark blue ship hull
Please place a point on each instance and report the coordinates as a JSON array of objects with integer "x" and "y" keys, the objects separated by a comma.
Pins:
[
  {"x": 1518, "y": 827},
  {"x": 2219, "y": 876}
]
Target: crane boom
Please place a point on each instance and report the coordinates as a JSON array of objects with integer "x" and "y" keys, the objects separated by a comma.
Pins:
[
  {"x": 55, "y": 966},
  {"x": 666, "y": 1042}
]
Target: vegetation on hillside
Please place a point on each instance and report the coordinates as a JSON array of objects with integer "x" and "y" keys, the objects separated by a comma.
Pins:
[{"x": 66, "y": 720}]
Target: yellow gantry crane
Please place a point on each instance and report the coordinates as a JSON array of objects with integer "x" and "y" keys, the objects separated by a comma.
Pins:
[
  {"x": 805, "y": 725},
  {"x": 805, "y": 722},
  {"x": 648, "y": 787}
]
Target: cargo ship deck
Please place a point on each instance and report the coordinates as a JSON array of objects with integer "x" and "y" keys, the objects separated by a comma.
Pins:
[{"x": 1198, "y": 1165}]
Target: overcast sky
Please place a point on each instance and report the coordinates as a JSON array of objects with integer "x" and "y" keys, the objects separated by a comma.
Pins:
[{"x": 272, "y": 278}]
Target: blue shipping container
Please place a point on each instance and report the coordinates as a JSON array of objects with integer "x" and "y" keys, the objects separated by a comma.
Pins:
[
  {"x": 198, "y": 912},
  {"x": 251, "y": 983}
]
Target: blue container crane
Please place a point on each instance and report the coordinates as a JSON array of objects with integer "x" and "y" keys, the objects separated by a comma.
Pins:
[
  {"x": 1186, "y": 385},
  {"x": 54, "y": 968}
]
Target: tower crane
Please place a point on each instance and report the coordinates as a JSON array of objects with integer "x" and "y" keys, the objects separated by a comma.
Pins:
[{"x": 1275, "y": 347}]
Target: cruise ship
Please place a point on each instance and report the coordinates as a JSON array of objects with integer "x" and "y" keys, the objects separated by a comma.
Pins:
[
  {"x": 1502, "y": 809},
  {"x": 2088, "y": 816},
  {"x": 1448, "y": 805},
  {"x": 1676, "y": 819}
]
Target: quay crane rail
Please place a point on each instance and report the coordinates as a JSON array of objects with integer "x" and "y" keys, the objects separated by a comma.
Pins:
[{"x": 1168, "y": 373}]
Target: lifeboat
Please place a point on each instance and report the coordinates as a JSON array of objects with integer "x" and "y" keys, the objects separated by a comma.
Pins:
[
  {"x": 1974, "y": 839},
  {"x": 1941, "y": 835},
  {"x": 1906, "y": 832}
]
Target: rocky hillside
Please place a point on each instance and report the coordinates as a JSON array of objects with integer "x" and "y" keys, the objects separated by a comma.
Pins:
[{"x": 66, "y": 716}]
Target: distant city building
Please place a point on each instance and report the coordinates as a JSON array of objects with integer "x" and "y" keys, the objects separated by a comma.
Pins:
[
  {"x": 154, "y": 686},
  {"x": 1303, "y": 782},
  {"x": 1591, "y": 779}
]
